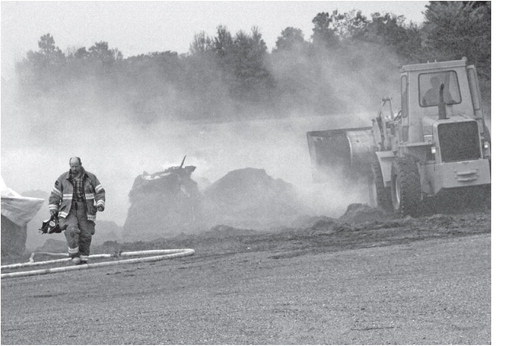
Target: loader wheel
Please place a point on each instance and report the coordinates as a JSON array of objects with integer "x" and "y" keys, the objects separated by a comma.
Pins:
[
  {"x": 380, "y": 194},
  {"x": 405, "y": 187}
]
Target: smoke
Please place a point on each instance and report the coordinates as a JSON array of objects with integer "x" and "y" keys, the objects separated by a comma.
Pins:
[{"x": 40, "y": 134}]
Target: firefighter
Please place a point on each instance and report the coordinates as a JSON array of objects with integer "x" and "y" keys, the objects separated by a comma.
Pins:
[{"x": 76, "y": 197}]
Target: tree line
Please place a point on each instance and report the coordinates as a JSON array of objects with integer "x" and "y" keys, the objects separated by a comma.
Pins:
[{"x": 340, "y": 67}]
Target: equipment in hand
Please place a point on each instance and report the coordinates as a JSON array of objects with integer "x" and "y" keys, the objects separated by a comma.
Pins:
[{"x": 51, "y": 225}]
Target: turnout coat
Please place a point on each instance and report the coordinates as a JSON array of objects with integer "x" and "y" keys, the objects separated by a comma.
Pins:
[{"x": 62, "y": 194}]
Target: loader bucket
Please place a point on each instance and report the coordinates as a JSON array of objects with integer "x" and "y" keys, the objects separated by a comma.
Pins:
[{"x": 341, "y": 153}]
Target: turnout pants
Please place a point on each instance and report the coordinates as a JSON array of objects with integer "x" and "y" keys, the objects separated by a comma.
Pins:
[{"x": 78, "y": 231}]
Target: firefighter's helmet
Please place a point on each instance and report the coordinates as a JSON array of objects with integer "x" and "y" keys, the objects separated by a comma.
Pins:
[{"x": 51, "y": 225}]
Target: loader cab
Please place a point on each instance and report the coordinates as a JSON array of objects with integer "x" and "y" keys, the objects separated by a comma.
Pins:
[{"x": 420, "y": 90}]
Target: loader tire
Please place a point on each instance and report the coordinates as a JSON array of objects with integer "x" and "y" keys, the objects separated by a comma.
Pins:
[
  {"x": 405, "y": 187},
  {"x": 381, "y": 194}
]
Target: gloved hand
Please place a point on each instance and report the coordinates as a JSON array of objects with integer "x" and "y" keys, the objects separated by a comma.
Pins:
[
  {"x": 100, "y": 208},
  {"x": 53, "y": 212}
]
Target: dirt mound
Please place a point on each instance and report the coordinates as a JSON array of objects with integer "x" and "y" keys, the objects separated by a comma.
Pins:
[
  {"x": 164, "y": 203},
  {"x": 359, "y": 213},
  {"x": 168, "y": 203},
  {"x": 251, "y": 198}
]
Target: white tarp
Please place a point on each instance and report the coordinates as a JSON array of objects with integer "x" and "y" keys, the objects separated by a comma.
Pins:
[{"x": 17, "y": 208}]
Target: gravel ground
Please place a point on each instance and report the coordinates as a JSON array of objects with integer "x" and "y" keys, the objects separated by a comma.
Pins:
[{"x": 424, "y": 281}]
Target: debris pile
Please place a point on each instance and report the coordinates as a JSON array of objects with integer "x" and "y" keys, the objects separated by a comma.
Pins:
[
  {"x": 164, "y": 203},
  {"x": 250, "y": 198},
  {"x": 168, "y": 203}
]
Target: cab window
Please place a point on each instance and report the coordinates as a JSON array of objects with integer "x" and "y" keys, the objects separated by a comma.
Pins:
[{"x": 429, "y": 86}]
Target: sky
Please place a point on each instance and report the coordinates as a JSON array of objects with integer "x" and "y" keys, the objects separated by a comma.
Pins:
[{"x": 141, "y": 27}]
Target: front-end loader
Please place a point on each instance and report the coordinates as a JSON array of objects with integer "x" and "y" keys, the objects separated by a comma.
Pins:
[{"x": 436, "y": 145}]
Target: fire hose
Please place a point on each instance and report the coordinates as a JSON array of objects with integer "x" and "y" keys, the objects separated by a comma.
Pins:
[{"x": 158, "y": 256}]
